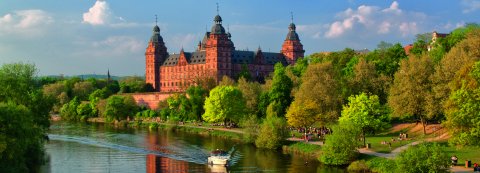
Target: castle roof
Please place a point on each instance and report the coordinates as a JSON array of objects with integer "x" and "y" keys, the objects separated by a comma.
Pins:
[{"x": 238, "y": 57}]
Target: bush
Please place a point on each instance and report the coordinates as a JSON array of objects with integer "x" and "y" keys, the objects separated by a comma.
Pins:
[
  {"x": 358, "y": 166},
  {"x": 250, "y": 124},
  {"x": 425, "y": 157},
  {"x": 272, "y": 133},
  {"x": 69, "y": 110},
  {"x": 341, "y": 146},
  {"x": 382, "y": 165}
]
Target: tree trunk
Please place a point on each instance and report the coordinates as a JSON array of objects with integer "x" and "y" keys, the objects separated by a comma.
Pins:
[
  {"x": 424, "y": 123},
  {"x": 364, "y": 142}
]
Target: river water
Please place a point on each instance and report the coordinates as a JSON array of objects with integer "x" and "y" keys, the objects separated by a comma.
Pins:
[{"x": 92, "y": 148}]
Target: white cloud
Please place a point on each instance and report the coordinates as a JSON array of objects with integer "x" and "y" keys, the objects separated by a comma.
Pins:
[
  {"x": 116, "y": 45},
  {"x": 25, "y": 22},
  {"x": 99, "y": 14},
  {"x": 470, "y": 5},
  {"x": 372, "y": 19}
]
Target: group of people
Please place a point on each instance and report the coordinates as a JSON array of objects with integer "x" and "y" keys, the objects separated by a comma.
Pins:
[{"x": 454, "y": 159}]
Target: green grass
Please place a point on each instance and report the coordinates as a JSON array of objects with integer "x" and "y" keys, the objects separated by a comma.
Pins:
[
  {"x": 463, "y": 153},
  {"x": 376, "y": 142},
  {"x": 303, "y": 148}
]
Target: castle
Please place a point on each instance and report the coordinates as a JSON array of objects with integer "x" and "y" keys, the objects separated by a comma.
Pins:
[{"x": 214, "y": 57}]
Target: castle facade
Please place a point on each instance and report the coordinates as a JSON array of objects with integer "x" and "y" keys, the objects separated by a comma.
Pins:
[{"x": 214, "y": 57}]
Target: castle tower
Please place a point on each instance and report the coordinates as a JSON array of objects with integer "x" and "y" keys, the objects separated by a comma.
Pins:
[
  {"x": 292, "y": 49},
  {"x": 155, "y": 55},
  {"x": 219, "y": 49}
]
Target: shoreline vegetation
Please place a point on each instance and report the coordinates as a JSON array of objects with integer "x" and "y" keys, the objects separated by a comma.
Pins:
[{"x": 375, "y": 159}]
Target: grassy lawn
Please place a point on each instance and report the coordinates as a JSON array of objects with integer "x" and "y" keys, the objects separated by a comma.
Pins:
[
  {"x": 301, "y": 147},
  {"x": 376, "y": 142},
  {"x": 463, "y": 153}
]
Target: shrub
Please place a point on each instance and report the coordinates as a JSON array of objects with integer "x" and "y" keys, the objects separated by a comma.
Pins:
[
  {"x": 358, "y": 166},
  {"x": 341, "y": 146},
  {"x": 382, "y": 165},
  {"x": 272, "y": 133},
  {"x": 425, "y": 157},
  {"x": 250, "y": 125}
]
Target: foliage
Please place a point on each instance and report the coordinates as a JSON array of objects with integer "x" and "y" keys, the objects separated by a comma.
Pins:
[
  {"x": 134, "y": 84},
  {"x": 19, "y": 139},
  {"x": 463, "y": 109},
  {"x": 366, "y": 79},
  {"x": 263, "y": 102},
  {"x": 421, "y": 44},
  {"x": 224, "y": 103},
  {"x": 464, "y": 53},
  {"x": 250, "y": 126},
  {"x": 387, "y": 61},
  {"x": 341, "y": 146},
  {"x": 425, "y": 157},
  {"x": 196, "y": 99},
  {"x": 411, "y": 92},
  {"x": 302, "y": 115},
  {"x": 84, "y": 110},
  {"x": 81, "y": 90},
  {"x": 227, "y": 81},
  {"x": 273, "y": 132},
  {"x": 120, "y": 107},
  {"x": 358, "y": 166},
  {"x": 251, "y": 92},
  {"x": 366, "y": 113},
  {"x": 24, "y": 118},
  {"x": 69, "y": 110},
  {"x": 382, "y": 165},
  {"x": 319, "y": 91},
  {"x": 281, "y": 88}
]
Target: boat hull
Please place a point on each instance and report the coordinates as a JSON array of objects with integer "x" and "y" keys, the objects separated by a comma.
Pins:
[{"x": 216, "y": 160}]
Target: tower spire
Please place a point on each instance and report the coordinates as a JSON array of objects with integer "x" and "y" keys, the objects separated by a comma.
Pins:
[
  {"x": 156, "y": 19},
  {"x": 291, "y": 16},
  {"x": 217, "y": 9}
]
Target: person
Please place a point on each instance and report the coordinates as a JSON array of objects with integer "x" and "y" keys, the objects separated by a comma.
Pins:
[
  {"x": 475, "y": 167},
  {"x": 454, "y": 160}
]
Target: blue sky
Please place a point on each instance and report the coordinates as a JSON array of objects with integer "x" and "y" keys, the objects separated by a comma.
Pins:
[{"x": 87, "y": 36}]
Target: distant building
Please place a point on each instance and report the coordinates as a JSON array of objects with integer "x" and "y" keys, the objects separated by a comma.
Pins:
[
  {"x": 362, "y": 51},
  {"x": 407, "y": 48},
  {"x": 435, "y": 36},
  {"x": 214, "y": 57}
]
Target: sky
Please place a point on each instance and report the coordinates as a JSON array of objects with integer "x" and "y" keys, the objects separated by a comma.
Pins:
[{"x": 88, "y": 37}]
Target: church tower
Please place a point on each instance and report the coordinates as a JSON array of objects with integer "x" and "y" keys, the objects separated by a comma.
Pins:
[
  {"x": 219, "y": 49},
  {"x": 155, "y": 55},
  {"x": 292, "y": 49}
]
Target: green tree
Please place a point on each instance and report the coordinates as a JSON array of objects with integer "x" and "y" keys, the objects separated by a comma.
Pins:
[
  {"x": 81, "y": 90},
  {"x": 463, "y": 108},
  {"x": 281, "y": 89},
  {"x": 273, "y": 132},
  {"x": 302, "y": 115},
  {"x": 421, "y": 44},
  {"x": 320, "y": 87},
  {"x": 366, "y": 79},
  {"x": 196, "y": 98},
  {"x": 466, "y": 52},
  {"x": 120, "y": 107},
  {"x": 224, "y": 103},
  {"x": 227, "y": 81},
  {"x": 69, "y": 110},
  {"x": 425, "y": 157},
  {"x": 411, "y": 91},
  {"x": 341, "y": 146},
  {"x": 251, "y": 92},
  {"x": 366, "y": 113}
]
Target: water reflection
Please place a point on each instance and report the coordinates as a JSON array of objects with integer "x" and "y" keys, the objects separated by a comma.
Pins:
[{"x": 105, "y": 148}]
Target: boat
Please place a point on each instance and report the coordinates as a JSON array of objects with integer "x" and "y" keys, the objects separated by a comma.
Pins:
[{"x": 218, "y": 157}]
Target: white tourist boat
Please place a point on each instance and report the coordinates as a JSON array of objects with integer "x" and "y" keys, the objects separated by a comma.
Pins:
[{"x": 218, "y": 157}]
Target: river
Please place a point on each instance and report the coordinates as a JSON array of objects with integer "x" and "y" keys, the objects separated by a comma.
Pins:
[{"x": 92, "y": 148}]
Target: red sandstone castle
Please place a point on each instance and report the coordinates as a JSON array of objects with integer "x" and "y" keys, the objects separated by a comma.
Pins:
[{"x": 215, "y": 57}]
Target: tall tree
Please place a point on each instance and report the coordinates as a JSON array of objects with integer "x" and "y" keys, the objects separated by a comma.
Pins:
[
  {"x": 464, "y": 53},
  {"x": 320, "y": 88},
  {"x": 463, "y": 107},
  {"x": 224, "y": 103},
  {"x": 196, "y": 98},
  {"x": 366, "y": 113},
  {"x": 412, "y": 88},
  {"x": 366, "y": 79},
  {"x": 281, "y": 89},
  {"x": 251, "y": 92}
]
